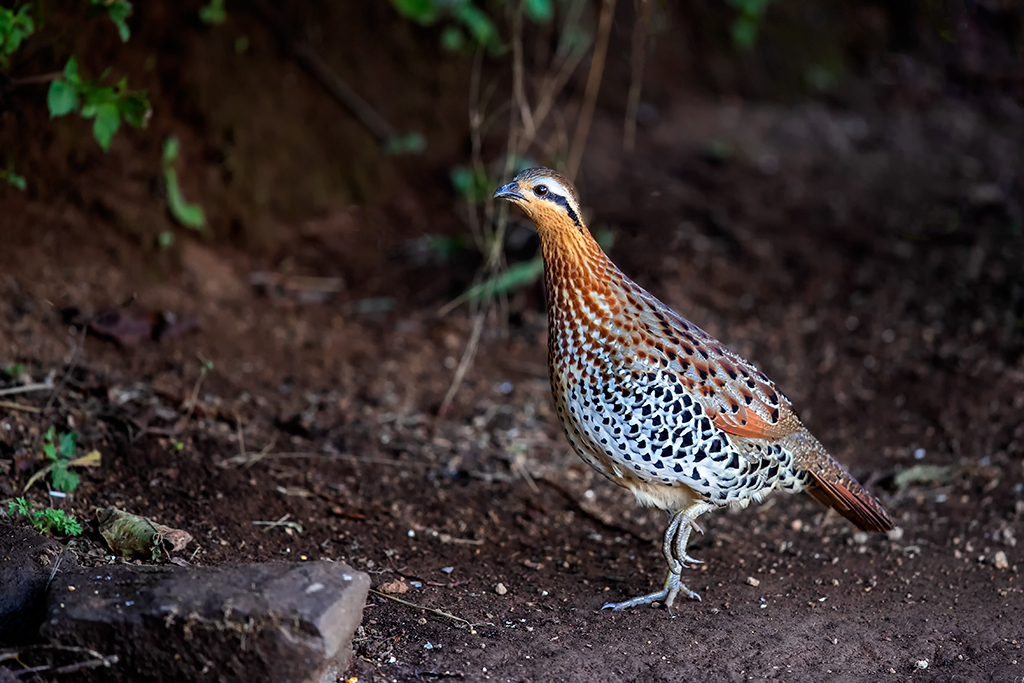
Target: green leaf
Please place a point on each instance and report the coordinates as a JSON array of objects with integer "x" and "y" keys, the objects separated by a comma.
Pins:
[
  {"x": 64, "y": 480},
  {"x": 171, "y": 150},
  {"x": 472, "y": 185},
  {"x": 62, "y": 98},
  {"x": 479, "y": 25},
  {"x": 189, "y": 215},
  {"x": 67, "y": 445},
  {"x": 16, "y": 180},
  {"x": 118, "y": 11},
  {"x": 540, "y": 11},
  {"x": 410, "y": 143},
  {"x": 519, "y": 275},
  {"x": 452, "y": 38},
  {"x": 71, "y": 70},
  {"x": 19, "y": 506},
  {"x": 108, "y": 119},
  {"x": 135, "y": 109},
  {"x": 214, "y": 13},
  {"x": 50, "y": 450},
  {"x": 14, "y": 28},
  {"x": 422, "y": 11},
  {"x": 744, "y": 33}
]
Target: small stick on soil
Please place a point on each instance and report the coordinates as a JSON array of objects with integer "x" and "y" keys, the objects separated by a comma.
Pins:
[
  {"x": 283, "y": 522},
  {"x": 438, "y": 612},
  {"x": 194, "y": 398},
  {"x": 249, "y": 459},
  {"x": 71, "y": 367},
  {"x": 10, "y": 405},
  {"x": 26, "y": 389},
  {"x": 98, "y": 659}
]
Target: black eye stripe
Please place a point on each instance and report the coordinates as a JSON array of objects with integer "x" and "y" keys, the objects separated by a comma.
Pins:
[{"x": 564, "y": 203}]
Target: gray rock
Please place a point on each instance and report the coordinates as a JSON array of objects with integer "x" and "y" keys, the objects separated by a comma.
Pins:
[
  {"x": 277, "y": 622},
  {"x": 26, "y": 561}
]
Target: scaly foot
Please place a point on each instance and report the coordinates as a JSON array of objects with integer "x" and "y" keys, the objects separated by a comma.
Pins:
[{"x": 667, "y": 595}]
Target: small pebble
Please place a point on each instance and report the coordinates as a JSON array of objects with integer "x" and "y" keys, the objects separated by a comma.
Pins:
[
  {"x": 896, "y": 534},
  {"x": 751, "y": 581},
  {"x": 921, "y": 664},
  {"x": 500, "y": 589},
  {"x": 394, "y": 587},
  {"x": 1000, "y": 561},
  {"x": 860, "y": 537},
  {"x": 796, "y": 525}
]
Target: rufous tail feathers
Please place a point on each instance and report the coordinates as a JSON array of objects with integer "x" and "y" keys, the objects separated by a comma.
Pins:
[{"x": 833, "y": 486}]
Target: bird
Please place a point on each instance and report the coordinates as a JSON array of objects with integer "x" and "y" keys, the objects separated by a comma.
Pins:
[{"x": 656, "y": 404}]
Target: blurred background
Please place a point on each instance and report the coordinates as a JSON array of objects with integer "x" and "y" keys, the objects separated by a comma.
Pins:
[{"x": 248, "y": 254}]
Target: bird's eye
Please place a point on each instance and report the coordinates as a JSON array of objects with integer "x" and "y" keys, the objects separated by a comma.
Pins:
[{"x": 540, "y": 190}]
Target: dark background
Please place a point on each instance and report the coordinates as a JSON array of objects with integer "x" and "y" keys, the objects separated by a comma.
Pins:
[{"x": 841, "y": 205}]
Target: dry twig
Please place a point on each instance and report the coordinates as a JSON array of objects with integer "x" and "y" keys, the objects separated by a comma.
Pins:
[
  {"x": 10, "y": 405},
  {"x": 438, "y": 612},
  {"x": 641, "y": 31},
  {"x": 579, "y": 140}
]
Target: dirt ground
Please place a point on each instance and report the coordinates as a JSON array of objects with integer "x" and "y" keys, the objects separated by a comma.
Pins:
[{"x": 865, "y": 253}]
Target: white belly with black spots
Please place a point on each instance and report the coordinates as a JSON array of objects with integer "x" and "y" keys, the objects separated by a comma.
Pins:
[{"x": 644, "y": 425}]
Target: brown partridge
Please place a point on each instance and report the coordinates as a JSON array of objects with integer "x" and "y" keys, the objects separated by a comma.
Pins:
[{"x": 654, "y": 403}]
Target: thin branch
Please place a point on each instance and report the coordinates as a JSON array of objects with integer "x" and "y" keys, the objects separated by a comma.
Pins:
[
  {"x": 337, "y": 88},
  {"x": 579, "y": 140},
  {"x": 641, "y": 31},
  {"x": 38, "y": 78}
]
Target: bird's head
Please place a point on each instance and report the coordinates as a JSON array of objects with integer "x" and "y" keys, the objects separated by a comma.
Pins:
[{"x": 550, "y": 201}]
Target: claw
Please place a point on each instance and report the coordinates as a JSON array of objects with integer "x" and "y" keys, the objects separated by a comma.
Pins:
[{"x": 677, "y": 535}]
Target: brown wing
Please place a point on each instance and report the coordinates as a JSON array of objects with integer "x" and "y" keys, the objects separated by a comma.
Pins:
[{"x": 737, "y": 396}]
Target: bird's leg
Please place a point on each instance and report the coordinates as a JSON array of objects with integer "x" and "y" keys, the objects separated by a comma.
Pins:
[{"x": 677, "y": 535}]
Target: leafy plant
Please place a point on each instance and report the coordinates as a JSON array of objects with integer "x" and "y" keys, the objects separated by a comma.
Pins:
[
  {"x": 106, "y": 105},
  {"x": 47, "y": 520},
  {"x": 189, "y": 215},
  {"x": 61, "y": 451},
  {"x": 15, "y": 26}
]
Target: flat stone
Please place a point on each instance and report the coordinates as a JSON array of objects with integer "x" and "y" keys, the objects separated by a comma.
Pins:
[
  {"x": 27, "y": 559},
  {"x": 277, "y": 622}
]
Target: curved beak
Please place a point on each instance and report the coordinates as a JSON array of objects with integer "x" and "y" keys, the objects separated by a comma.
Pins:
[{"x": 510, "y": 192}]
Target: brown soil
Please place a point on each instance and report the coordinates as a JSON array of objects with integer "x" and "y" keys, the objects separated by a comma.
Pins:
[{"x": 866, "y": 256}]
